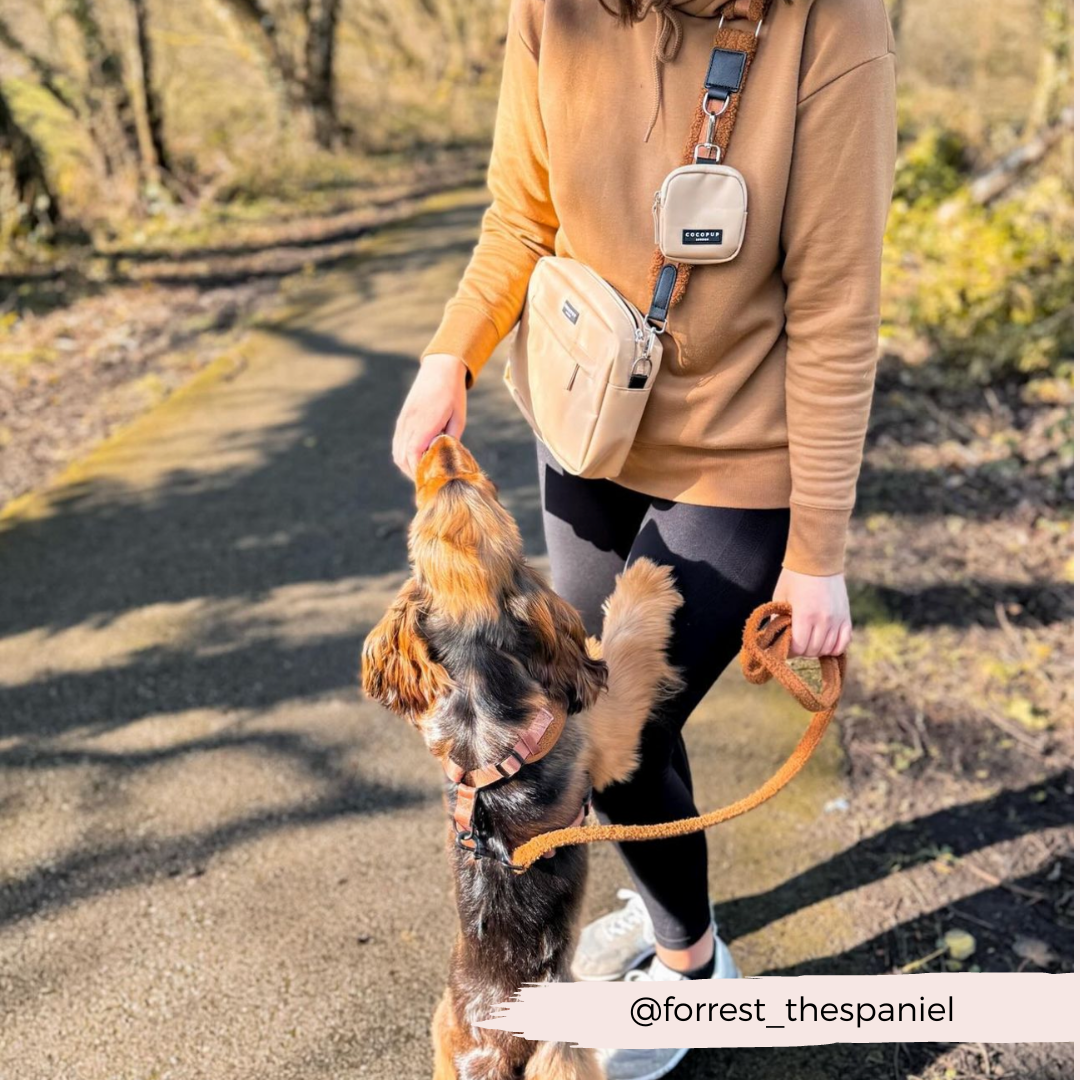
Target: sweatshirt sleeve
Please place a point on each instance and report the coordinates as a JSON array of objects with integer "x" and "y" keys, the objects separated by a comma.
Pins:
[
  {"x": 834, "y": 221},
  {"x": 520, "y": 225}
]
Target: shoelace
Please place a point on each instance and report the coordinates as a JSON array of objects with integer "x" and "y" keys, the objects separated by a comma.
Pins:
[{"x": 633, "y": 912}]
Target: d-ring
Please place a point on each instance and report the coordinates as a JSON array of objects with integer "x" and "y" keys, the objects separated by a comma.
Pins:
[
  {"x": 719, "y": 112},
  {"x": 757, "y": 29}
]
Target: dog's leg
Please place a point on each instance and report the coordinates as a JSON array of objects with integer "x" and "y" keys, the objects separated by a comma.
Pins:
[
  {"x": 561, "y": 1061},
  {"x": 637, "y": 628},
  {"x": 466, "y": 1052},
  {"x": 442, "y": 1027}
]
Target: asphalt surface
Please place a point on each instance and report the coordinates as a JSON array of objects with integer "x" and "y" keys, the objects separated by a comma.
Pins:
[{"x": 216, "y": 860}]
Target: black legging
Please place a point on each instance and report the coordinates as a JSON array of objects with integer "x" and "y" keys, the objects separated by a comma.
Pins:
[{"x": 726, "y": 562}]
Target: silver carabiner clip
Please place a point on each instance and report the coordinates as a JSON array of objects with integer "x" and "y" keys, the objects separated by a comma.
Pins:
[{"x": 710, "y": 133}]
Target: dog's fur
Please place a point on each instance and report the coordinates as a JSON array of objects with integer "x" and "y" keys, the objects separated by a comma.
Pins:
[{"x": 473, "y": 645}]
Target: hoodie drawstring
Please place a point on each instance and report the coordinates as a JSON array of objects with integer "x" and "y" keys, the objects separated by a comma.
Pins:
[{"x": 669, "y": 37}]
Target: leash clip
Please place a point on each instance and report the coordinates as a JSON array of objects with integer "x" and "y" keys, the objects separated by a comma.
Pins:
[{"x": 708, "y": 145}]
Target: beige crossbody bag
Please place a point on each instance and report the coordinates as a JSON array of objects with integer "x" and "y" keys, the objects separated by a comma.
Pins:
[{"x": 584, "y": 359}]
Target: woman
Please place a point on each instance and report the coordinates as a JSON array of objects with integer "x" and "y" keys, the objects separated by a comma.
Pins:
[{"x": 742, "y": 476}]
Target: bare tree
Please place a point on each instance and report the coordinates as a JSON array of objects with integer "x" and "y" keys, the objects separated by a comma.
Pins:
[
  {"x": 322, "y": 17},
  {"x": 258, "y": 27},
  {"x": 23, "y": 174},
  {"x": 1005, "y": 173},
  {"x": 110, "y": 112},
  {"x": 51, "y": 79},
  {"x": 304, "y": 84},
  {"x": 1055, "y": 65},
  {"x": 149, "y": 116}
]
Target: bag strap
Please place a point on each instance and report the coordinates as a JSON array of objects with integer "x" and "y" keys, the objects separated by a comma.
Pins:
[
  {"x": 733, "y": 52},
  {"x": 766, "y": 644}
]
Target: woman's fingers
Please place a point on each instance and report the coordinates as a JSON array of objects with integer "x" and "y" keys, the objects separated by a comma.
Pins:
[
  {"x": 801, "y": 631},
  {"x": 819, "y": 636},
  {"x": 455, "y": 426},
  {"x": 821, "y": 616},
  {"x": 829, "y": 645},
  {"x": 435, "y": 403}
]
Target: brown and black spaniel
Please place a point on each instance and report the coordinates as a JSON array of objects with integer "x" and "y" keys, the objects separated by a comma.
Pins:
[{"x": 527, "y": 717}]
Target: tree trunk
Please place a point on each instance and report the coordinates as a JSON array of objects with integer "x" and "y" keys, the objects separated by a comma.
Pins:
[
  {"x": 320, "y": 84},
  {"x": 149, "y": 117},
  {"x": 259, "y": 30},
  {"x": 1055, "y": 65},
  {"x": 111, "y": 113},
  {"x": 52, "y": 81},
  {"x": 31, "y": 202},
  {"x": 998, "y": 179}
]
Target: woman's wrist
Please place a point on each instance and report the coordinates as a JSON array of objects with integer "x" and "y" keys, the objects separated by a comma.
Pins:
[{"x": 446, "y": 362}]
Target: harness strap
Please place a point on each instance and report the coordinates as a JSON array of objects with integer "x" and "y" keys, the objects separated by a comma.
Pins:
[
  {"x": 766, "y": 645},
  {"x": 713, "y": 124},
  {"x": 532, "y": 744}
]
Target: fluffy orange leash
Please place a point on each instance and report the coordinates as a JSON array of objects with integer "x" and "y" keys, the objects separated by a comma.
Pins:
[{"x": 766, "y": 644}]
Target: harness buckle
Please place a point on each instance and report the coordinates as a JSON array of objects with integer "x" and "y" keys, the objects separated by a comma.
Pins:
[{"x": 511, "y": 765}]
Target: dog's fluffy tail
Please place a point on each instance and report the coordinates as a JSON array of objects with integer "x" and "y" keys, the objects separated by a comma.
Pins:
[
  {"x": 637, "y": 629},
  {"x": 561, "y": 1061}
]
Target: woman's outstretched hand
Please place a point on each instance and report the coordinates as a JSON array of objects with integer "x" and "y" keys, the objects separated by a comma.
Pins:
[
  {"x": 820, "y": 616},
  {"x": 436, "y": 404}
]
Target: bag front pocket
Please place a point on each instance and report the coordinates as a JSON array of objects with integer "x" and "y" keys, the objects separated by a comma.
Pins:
[{"x": 566, "y": 387}]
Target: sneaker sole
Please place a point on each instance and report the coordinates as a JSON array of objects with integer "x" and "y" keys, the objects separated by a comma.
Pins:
[
  {"x": 668, "y": 1068},
  {"x": 619, "y": 974}
]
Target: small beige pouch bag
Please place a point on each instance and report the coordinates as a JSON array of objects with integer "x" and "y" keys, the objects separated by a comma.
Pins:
[{"x": 699, "y": 214}]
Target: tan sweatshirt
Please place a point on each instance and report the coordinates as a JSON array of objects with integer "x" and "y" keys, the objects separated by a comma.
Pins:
[{"x": 769, "y": 364}]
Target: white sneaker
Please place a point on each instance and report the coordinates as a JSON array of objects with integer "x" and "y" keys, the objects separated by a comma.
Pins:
[
  {"x": 615, "y": 944},
  {"x": 653, "y": 1064}
]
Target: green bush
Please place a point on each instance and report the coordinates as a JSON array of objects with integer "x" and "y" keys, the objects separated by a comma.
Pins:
[{"x": 988, "y": 287}]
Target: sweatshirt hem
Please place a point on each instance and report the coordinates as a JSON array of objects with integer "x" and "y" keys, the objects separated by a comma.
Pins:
[{"x": 750, "y": 479}]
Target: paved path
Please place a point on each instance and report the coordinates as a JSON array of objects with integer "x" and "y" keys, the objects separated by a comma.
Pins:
[{"x": 216, "y": 860}]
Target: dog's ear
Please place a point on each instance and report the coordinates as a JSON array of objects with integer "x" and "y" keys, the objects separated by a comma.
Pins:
[
  {"x": 559, "y": 658},
  {"x": 396, "y": 668}
]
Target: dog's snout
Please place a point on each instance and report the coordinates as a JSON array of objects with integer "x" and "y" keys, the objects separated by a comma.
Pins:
[{"x": 445, "y": 459}]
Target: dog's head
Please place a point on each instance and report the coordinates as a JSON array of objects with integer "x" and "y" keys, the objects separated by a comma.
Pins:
[{"x": 474, "y": 622}]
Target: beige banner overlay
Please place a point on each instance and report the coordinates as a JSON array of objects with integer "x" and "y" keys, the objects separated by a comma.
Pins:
[{"x": 797, "y": 1010}]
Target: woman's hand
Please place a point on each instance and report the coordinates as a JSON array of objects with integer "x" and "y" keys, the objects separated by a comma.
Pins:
[
  {"x": 436, "y": 404},
  {"x": 820, "y": 616}
]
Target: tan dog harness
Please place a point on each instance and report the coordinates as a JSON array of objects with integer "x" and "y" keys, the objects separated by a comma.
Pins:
[{"x": 533, "y": 743}]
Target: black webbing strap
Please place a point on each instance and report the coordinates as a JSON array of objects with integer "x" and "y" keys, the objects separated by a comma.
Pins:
[
  {"x": 662, "y": 293},
  {"x": 657, "y": 316}
]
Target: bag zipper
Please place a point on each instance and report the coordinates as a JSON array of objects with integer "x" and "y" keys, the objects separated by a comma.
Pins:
[{"x": 634, "y": 317}]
